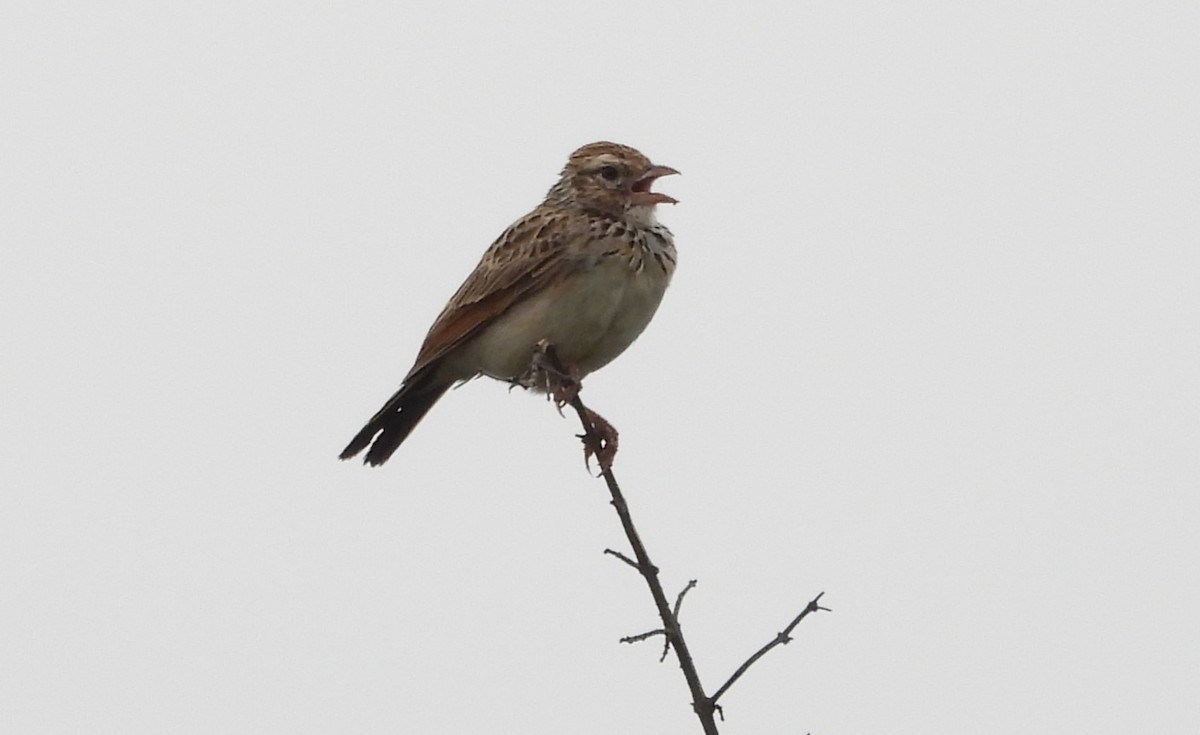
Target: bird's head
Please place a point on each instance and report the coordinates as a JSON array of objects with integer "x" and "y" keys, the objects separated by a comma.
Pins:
[{"x": 610, "y": 178}]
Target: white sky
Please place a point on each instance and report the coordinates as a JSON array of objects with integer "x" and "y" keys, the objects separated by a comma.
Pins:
[{"x": 932, "y": 348}]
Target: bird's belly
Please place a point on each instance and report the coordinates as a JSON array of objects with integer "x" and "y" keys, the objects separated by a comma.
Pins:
[
  {"x": 590, "y": 318},
  {"x": 638, "y": 300}
]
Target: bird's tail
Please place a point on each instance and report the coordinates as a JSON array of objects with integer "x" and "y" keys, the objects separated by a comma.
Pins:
[{"x": 394, "y": 422}]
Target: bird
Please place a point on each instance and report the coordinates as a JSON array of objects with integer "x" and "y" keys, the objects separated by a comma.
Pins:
[{"x": 584, "y": 272}]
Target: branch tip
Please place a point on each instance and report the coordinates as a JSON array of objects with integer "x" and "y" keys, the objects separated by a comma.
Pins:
[
  {"x": 642, "y": 636},
  {"x": 781, "y": 638},
  {"x": 679, "y": 600},
  {"x": 622, "y": 557}
]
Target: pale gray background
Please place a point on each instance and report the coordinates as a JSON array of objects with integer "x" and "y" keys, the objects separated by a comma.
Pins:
[{"x": 932, "y": 348}]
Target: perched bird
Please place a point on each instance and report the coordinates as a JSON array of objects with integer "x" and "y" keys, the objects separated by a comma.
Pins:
[{"x": 584, "y": 271}]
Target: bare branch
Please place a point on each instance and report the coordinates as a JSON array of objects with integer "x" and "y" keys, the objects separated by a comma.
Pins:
[
  {"x": 780, "y": 638},
  {"x": 622, "y": 557},
  {"x": 642, "y": 636},
  {"x": 679, "y": 600},
  {"x": 701, "y": 704},
  {"x": 600, "y": 441},
  {"x": 678, "y": 603}
]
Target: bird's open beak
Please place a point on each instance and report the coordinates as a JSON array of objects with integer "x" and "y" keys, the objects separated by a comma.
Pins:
[{"x": 641, "y": 194}]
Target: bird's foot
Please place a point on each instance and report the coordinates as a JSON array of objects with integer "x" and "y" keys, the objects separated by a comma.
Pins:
[
  {"x": 600, "y": 442},
  {"x": 547, "y": 374}
]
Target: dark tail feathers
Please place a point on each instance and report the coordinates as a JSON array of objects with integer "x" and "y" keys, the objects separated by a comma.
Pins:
[{"x": 394, "y": 422}]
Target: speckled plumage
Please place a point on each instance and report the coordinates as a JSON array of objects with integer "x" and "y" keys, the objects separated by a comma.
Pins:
[{"x": 585, "y": 271}]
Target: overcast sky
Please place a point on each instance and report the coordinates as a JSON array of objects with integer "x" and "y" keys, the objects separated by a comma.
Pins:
[{"x": 932, "y": 348}]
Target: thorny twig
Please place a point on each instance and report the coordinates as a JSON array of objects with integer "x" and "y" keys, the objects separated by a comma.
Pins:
[
  {"x": 780, "y": 638},
  {"x": 622, "y": 557},
  {"x": 703, "y": 705}
]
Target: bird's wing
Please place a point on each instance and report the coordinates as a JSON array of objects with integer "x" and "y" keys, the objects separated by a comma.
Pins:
[{"x": 529, "y": 255}]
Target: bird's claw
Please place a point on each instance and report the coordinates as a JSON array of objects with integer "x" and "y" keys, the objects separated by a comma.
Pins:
[
  {"x": 546, "y": 373},
  {"x": 600, "y": 442}
]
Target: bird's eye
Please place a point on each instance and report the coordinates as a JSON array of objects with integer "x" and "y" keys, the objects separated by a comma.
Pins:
[{"x": 610, "y": 173}]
